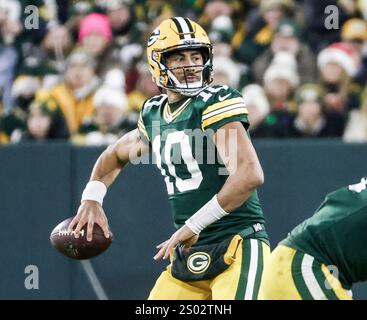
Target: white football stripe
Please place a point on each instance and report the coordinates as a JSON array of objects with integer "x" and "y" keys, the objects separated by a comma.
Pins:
[
  {"x": 252, "y": 270},
  {"x": 310, "y": 279}
]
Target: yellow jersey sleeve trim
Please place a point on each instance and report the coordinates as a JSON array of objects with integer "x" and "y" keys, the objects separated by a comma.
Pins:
[
  {"x": 223, "y": 104},
  {"x": 223, "y": 115}
]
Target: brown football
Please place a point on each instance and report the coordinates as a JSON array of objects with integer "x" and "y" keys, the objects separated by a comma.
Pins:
[{"x": 79, "y": 248}]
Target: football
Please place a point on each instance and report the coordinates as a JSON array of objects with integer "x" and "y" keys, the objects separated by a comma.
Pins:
[{"x": 79, "y": 248}]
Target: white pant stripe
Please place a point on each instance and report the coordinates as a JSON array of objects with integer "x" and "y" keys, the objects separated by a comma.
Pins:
[
  {"x": 310, "y": 279},
  {"x": 249, "y": 293}
]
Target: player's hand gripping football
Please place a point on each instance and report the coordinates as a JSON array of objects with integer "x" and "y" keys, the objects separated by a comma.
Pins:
[
  {"x": 89, "y": 212},
  {"x": 184, "y": 236}
]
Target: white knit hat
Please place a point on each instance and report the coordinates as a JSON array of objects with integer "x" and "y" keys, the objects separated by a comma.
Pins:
[
  {"x": 340, "y": 53},
  {"x": 255, "y": 94},
  {"x": 227, "y": 66},
  {"x": 111, "y": 97},
  {"x": 283, "y": 66},
  {"x": 25, "y": 85}
]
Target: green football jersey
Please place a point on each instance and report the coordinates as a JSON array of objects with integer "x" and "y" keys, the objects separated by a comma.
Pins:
[
  {"x": 180, "y": 137},
  {"x": 336, "y": 234}
]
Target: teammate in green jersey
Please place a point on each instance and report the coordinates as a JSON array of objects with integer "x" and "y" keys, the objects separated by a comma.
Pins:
[
  {"x": 198, "y": 135},
  {"x": 323, "y": 256}
]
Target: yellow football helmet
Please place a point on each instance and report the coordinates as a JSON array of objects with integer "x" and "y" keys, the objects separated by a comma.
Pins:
[{"x": 174, "y": 34}]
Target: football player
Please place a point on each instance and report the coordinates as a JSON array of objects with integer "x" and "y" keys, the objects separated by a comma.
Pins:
[
  {"x": 220, "y": 246},
  {"x": 324, "y": 255}
]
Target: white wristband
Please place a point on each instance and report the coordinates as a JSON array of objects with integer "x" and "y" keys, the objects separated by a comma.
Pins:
[
  {"x": 206, "y": 215},
  {"x": 94, "y": 190}
]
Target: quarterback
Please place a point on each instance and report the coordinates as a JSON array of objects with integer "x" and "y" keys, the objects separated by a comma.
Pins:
[
  {"x": 325, "y": 255},
  {"x": 221, "y": 245}
]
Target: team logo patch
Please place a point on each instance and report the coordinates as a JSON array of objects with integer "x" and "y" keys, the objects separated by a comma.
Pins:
[
  {"x": 153, "y": 37},
  {"x": 198, "y": 262}
]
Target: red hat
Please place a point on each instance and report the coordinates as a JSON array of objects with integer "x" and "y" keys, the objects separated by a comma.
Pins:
[
  {"x": 95, "y": 22},
  {"x": 340, "y": 53}
]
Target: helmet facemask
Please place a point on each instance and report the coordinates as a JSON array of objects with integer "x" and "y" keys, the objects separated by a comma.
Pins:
[{"x": 186, "y": 88}]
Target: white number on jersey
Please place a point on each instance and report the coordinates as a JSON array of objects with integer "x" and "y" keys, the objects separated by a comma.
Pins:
[
  {"x": 206, "y": 95},
  {"x": 358, "y": 187},
  {"x": 182, "y": 185}
]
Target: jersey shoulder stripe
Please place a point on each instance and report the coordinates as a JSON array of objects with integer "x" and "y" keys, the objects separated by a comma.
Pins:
[{"x": 225, "y": 103}]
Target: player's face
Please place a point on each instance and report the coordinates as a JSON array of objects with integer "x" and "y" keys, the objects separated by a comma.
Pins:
[{"x": 186, "y": 65}]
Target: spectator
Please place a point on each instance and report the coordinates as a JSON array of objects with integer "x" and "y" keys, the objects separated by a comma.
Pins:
[
  {"x": 125, "y": 28},
  {"x": 356, "y": 128},
  {"x": 221, "y": 34},
  {"x": 145, "y": 88},
  {"x": 280, "y": 81},
  {"x": 311, "y": 119},
  {"x": 10, "y": 27},
  {"x": 110, "y": 119},
  {"x": 257, "y": 105},
  {"x": 23, "y": 93},
  {"x": 95, "y": 37},
  {"x": 317, "y": 35},
  {"x": 225, "y": 72},
  {"x": 287, "y": 37},
  {"x": 221, "y": 29},
  {"x": 72, "y": 100},
  {"x": 260, "y": 28},
  {"x": 57, "y": 44},
  {"x": 214, "y": 9},
  {"x": 338, "y": 63},
  {"x": 354, "y": 32},
  {"x": 125, "y": 47},
  {"x": 40, "y": 126}
]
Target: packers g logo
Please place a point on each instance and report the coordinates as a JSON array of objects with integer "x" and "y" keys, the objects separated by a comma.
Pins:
[
  {"x": 198, "y": 262},
  {"x": 153, "y": 37}
]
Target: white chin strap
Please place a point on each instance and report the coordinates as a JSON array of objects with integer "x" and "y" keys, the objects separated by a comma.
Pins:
[{"x": 188, "y": 89}]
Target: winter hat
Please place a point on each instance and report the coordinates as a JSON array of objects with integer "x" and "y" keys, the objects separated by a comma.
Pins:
[
  {"x": 80, "y": 56},
  {"x": 115, "y": 78},
  {"x": 227, "y": 66},
  {"x": 95, "y": 22},
  {"x": 110, "y": 96},
  {"x": 25, "y": 85},
  {"x": 266, "y": 5},
  {"x": 309, "y": 92},
  {"x": 255, "y": 94},
  {"x": 354, "y": 29},
  {"x": 289, "y": 28},
  {"x": 341, "y": 54},
  {"x": 221, "y": 29},
  {"x": 283, "y": 66}
]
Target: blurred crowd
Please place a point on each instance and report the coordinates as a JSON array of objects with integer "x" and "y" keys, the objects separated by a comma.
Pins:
[{"x": 77, "y": 70}]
